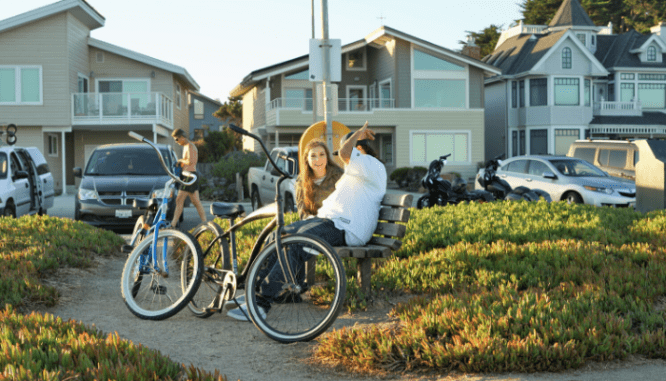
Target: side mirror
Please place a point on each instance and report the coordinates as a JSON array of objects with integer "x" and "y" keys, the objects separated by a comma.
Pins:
[
  {"x": 77, "y": 172},
  {"x": 549, "y": 175},
  {"x": 21, "y": 175}
]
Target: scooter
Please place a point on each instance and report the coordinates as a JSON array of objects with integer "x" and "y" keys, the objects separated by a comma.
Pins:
[
  {"x": 443, "y": 192},
  {"x": 501, "y": 189}
]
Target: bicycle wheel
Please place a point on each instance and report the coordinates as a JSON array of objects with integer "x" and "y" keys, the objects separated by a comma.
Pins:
[
  {"x": 140, "y": 234},
  {"x": 215, "y": 256},
  {"x": 301, "y": 311},
  {"x": 162, "y": 292}
]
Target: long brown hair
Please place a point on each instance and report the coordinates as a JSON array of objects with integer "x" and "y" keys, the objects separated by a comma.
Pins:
[{"x": 306, "y": 179}]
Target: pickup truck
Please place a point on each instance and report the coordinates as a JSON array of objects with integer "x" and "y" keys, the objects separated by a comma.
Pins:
[{"x": 261, "y": 180}]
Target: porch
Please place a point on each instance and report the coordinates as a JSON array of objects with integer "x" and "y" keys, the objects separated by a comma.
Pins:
[{"x": 122, "y": 108}]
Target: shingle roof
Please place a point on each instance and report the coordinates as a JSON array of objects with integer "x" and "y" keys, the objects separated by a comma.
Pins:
[
  {"x": 648, "y": 118},
  {"x": 525, "y": 51},
  {"x": 614, "y": 51},
  {"x": 571, "y": 13}
]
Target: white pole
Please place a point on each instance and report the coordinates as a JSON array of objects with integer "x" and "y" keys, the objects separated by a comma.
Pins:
[
  {"x": 314, "y": 84},
  {"x": 327, "y": 74},
  {"x": 64, "y": 165}
]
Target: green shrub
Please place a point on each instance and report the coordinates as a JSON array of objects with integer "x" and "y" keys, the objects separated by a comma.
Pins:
[
  {"x": 515, "y": 287},
  {"x": 218, "y": 144},
  {"x": 238, "y": 162},
  {"x": 408, "y": 177}
]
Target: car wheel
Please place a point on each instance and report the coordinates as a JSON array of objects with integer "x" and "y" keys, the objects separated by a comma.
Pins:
[
  {"x": 573, "y": 198},
  {"x": 10, "y": 210},
  {"x": 77, "y": 211},
  {"x": 289, "y": 206},
  {"x": 256, "y": 201},
  {"x": 423, "y": 202}
]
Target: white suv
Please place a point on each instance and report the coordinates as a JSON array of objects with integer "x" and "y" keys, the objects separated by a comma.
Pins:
[{"x": 26, "y": 184}]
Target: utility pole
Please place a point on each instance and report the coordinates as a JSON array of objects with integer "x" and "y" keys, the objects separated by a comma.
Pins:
[
  {"x": 314, "y": 84},
  {"x": 327, "y": 74}
]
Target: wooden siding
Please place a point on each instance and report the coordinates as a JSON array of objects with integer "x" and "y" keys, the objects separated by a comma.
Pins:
[
  {"x": 40, "y": 43},
  {"x": 476, "y": 87},
  {"x": 77, "y": 44},
  {"x": 402, "y": 86}
]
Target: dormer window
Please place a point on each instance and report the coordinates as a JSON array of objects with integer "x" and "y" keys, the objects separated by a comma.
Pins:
[
  {"x": 566, "y": 58},
  {"x": 581, "y": 37},
  {"x": 594, "y": 40},
  {"x": 652, "y": 54},
  {"x": 356, "y": 60}
]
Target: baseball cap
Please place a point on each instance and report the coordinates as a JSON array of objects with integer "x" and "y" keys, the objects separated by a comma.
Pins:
[{"x": 362, "y": 143}]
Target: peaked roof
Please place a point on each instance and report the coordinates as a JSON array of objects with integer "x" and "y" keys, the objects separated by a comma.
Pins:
[
  {"x": 525, "y": 51},
  {"x": 615, "y": 51},
  {"x": 79, "y": 8},
  {"x": 376, "y": 38},
  {"x": 571, "y": 13}
]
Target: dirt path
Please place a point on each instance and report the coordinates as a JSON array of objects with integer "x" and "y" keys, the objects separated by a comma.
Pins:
[{"x": 240, "y": 351}]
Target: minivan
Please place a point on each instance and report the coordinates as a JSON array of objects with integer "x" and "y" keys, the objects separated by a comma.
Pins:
[{"x": 616, "y": 157}]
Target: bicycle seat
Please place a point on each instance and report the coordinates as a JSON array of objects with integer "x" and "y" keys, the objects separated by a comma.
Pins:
[{"x": 226, "y": 210}]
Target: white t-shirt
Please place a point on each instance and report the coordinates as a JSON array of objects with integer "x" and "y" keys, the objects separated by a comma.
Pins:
[{"x": 354, "y": 205}]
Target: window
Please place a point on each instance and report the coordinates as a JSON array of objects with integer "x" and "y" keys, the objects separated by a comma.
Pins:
[
  {"x": 586, "y": 154},
  {"x": 83, "y": 84},
  {"x": 611, "y": 92},
  {"x": 539, "y": 142},
  {"x": 567, "y": 91},
  {"x": 198, "y": 109},
  {"x": 435, "y": 93},
  {"x": 298, "y": 98},
  {"x": 514, "y": 94},
  {"x": 53, "y": 145},
  {"x": 613, "y": 158},
  {"x": 581, "y": 37},
  {"x": 428, "y": 146},
  {"x": 627, "y": 92},
  {"x": 424, "y": 61},
  {"x": 386, "y": 148},
  {"x": 518, "y": 166},
  {"x": 652, "y": 95},
  {"x": 305, "y": 74},
  {"x": 178, "y": 95},
  {"x": 564, "y": 138},
  {"x": 522, "y": 142},
  {"x": 521, "y": 93},
  {"x": 356, "y": 97},
  {"x": 385, "y": 94},
  {"x": 3, "y": 165},
  {"x": 356, "y": 60},
  {"x": 115, "y": 104},
  {"x": 587, "y": 93},
  {"x": 539, "y": 92},
  {"x": 594, "y": 39},
  {"x": 537, "y": 168},
  {"x": 21, "y": 85},
  {"x": 652, "y": 54},
  {"x": 566, "y": 58},
  {"x": 627, "y": 76},
  {"x": 652, "y": 77}
]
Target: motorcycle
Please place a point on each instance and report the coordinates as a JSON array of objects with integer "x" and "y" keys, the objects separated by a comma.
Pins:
[
  {"x": 443, "y": 192},
  {"x": 501, "y": 189}
]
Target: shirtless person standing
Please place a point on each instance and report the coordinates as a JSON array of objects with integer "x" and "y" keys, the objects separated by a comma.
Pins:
[{"x": 188, "y": 163}]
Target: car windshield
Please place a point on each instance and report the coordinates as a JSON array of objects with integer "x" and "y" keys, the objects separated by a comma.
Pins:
[
  {"x": 577, "y": 168},
  {"x": 3, "y": 165},
  {"x": 113, "y": 161}
]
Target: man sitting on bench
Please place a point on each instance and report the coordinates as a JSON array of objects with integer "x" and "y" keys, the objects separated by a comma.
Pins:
[{"x": 348, "y": 217}]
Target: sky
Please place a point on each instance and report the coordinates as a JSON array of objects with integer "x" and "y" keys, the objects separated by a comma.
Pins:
[{"x": 219, "y": 42}]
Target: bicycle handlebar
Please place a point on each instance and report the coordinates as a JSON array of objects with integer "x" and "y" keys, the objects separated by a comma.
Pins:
[
  {"x": 159, "y": 154},
  {"x": 241, "y": 131}
]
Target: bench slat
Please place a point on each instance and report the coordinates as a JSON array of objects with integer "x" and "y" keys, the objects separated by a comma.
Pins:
[
  {"x": 391, "y": 243},
  {"x": 367, "y": 251},
  {"x": 403, "y": 200},
  {"x": 394, "y": 214},
  {"x": 393, "y": 230}
]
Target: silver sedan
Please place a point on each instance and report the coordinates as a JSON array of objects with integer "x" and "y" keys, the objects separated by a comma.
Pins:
[{"x": 569, "y": 179}]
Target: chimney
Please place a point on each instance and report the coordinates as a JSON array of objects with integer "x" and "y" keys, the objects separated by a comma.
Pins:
[
  {"x": 659, "y": 30},
  {"x": 471, "y": 50}
]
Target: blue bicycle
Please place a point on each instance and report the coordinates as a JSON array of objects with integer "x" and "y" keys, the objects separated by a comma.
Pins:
[{"x": 164, "y": 267}]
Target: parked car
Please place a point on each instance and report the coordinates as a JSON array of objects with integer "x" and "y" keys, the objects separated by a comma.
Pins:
[
  {"x": 261, "y": 180},
  {"x": 114, "y": 176},
  {"x": 26, "y": 183},
  {"x": 617, "y": 157},
  {"x": 568, "y": 179}
]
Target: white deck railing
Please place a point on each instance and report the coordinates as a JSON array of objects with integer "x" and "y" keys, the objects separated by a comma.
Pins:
[
  {"x": 110, "y": 108},
  {"x": 343, "y": 104},
  {"x": 606, "y": 108}
]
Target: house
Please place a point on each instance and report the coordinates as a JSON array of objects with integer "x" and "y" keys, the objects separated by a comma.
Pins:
[
  {"x": 69, "y": 92},
  {"x": 421, "y": 99},
  {"x": 201, "y": 109},
  {"x": 572, "y": 80}
]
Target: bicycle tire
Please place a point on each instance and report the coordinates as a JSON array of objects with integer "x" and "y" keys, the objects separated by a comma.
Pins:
[
  {"x": 205, "y": 234},
  {"x": 298, "y": 317},
  {"x": 160, "y": 295},
  {"x": 140, "y": 235}
]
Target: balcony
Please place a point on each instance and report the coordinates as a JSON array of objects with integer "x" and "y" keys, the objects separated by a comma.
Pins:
[
  {"x": 605, "y": 108},
  {"x": 342, "y": 104},
  {"x": 122, "y": 108}
]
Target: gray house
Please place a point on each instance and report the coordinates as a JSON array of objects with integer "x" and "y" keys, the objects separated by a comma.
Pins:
[
  {"x": 570, "y": 80},
  {"x": 69, "y": 92},
  {"x": 201, "y": 109}
]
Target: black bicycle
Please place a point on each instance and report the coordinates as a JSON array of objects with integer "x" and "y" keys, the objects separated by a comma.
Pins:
[{"x": 312, "y": 291}]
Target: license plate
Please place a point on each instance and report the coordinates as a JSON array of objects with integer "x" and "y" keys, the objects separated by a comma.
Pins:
[{"x": 123, "y": 213}]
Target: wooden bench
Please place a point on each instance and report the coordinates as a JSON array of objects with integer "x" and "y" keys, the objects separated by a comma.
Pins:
[{"x": 394, "y": 208}]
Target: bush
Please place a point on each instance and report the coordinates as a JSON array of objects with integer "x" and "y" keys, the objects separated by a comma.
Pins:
[
  {"x": 218, "y": 144},
  {"x": 237, "y": 162},
  {"x": 408, "y": 178}
]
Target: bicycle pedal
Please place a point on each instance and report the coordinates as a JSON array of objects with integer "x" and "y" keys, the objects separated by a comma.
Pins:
[
  {"x": 213, "y": 310},
  {"x": 126, "y": 249}
]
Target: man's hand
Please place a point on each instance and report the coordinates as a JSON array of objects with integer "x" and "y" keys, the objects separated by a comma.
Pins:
[
  {"x": 346, "y": 148},
  {"x": 365, "y": 133}
]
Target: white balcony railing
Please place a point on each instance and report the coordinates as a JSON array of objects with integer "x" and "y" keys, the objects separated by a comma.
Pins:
[
  {"x": 343, "y": 104},
  {"x": 606, "y": 108},
  {"x": 132, "y": 108}
]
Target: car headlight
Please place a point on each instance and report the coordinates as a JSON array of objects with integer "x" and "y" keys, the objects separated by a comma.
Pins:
[
  {"x": 87, "y": 194},
  {"x": 598, "y": 189},
  {"x": 161, "y": 193}
]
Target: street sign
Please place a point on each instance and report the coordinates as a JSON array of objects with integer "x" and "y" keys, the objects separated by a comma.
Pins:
[{"x": 317, "y": 60}]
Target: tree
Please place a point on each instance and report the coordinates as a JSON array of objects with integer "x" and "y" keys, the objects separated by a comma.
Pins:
[
  {"x": 232, "y": 112},
  {"x": 486, "y": 39}
]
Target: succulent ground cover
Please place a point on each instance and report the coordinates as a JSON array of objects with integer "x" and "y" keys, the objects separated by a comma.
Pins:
[
  {"x": 516, "y": 286},
  {"x": 41, "y": 346}
]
